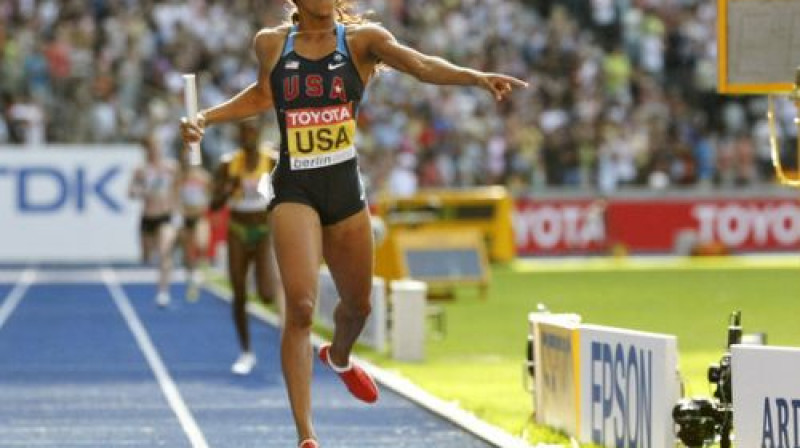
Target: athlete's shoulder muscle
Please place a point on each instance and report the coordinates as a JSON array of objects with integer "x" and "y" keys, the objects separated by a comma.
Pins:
[
  {"x": 382, "y": 46},
  {"x": 362, "y": 39},
  {"x": 268, "y": 42},
  {"x": 366, "y": 35},
  {"x": 268, "y": 35}
]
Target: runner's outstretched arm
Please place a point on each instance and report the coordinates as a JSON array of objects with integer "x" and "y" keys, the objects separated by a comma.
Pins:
[{"x": 383, "y": 46}]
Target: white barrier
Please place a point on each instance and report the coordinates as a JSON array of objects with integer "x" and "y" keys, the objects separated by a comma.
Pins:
[
  {"x": 629, "y": 385},
  {"x": 766, "y": 396},
  {"x": 608, "y": 386},
  {"x": 374, "y": 332},
  {"x": 68, "y": 204},
  {"x": 409, "y": 304}
]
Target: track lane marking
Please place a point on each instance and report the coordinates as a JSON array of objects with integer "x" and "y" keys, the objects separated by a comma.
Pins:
[
  {"x": 15, "y": 296},
  {"x": 165, "y": 381}
]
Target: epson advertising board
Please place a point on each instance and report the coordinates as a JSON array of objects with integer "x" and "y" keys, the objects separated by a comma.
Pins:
[
  {"x": 68, "y": 204},
  {"x": 766, "y": 396},
  {"x": 629, "y": 385}
]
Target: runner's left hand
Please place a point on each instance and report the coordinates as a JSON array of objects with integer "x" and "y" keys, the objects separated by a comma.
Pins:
[{"x": 500, "y": 85}]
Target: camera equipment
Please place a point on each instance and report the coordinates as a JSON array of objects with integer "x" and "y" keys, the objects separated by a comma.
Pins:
[
  {"x": 529, "y": 366},
  {"x": 700, "y": 420}
]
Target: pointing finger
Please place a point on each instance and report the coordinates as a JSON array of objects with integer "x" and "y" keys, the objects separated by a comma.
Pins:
[{"x": 516, "y": 82}]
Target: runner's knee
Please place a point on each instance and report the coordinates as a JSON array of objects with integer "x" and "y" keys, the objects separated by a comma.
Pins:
[
  {"x": 356, "y": 308},
  {"x": 299, "y": 312}
]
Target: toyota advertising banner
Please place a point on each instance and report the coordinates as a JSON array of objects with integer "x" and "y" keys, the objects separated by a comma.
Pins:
[{"x": 655, "y": 225}]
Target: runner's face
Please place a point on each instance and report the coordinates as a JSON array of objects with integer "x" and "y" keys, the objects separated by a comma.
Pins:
[{"x": 318, "y": 9}]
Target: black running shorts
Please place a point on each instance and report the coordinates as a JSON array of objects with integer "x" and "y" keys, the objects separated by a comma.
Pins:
[{"x": 335, "y": 192}]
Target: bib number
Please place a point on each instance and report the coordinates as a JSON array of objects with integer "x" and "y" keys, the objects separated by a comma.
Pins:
[{"x": 320, "y": 137}]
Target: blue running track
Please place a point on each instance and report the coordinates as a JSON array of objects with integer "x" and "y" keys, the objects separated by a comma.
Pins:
[{"x": 90, "y": 364}]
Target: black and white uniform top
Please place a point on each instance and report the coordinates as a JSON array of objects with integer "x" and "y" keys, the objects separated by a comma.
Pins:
[{"x": 316, "y": 102}]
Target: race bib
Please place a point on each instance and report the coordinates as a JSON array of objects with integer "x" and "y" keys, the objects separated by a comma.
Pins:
[{"x": 320, "y": 137}]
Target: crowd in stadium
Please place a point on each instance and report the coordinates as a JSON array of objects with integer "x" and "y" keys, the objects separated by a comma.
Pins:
[{"x": 622, "y": 91}]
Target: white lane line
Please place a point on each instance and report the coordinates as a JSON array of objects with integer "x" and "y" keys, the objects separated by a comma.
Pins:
[
  {"x": 15, "y": 296},
  {"x": 168, "y": 387}
]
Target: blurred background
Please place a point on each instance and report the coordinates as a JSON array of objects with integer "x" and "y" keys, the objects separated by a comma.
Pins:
[
  {"x": 620, "y": 146},
  {"x": 623, "y": 91},
  {"x": 622, "y": 105}
]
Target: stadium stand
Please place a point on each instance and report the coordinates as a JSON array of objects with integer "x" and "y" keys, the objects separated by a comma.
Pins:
[{"x": 623, "y": 91}]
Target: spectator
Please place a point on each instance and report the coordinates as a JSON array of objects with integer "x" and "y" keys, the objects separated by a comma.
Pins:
[
  {"x": 402, "y": 178},
  {"x": 27, "y": 118},
  {"x": 630, "y": 62}
]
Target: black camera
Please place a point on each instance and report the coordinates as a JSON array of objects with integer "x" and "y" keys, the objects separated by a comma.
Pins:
[{"x": 700, "y": 421}]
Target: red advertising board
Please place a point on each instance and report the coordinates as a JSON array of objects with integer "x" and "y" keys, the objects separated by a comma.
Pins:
[
  {"x": 579, "y": 226},
  {"x": 557, "y": 226}
]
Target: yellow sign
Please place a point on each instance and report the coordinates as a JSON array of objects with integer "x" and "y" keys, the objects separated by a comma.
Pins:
[
  {"x": 756, "y": 49},
  {"x": 442, "y": 258},
  {"x": 557, "y": 370},
  {"x": 487, "y": 210}
]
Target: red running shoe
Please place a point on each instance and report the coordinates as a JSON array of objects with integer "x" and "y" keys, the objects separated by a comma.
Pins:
[
  {"x": 308, "y": 443},
  {"x": 358, "y": 382}
]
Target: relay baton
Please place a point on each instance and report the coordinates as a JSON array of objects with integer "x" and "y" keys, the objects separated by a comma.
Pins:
[{"x": 190, "y": 99}]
